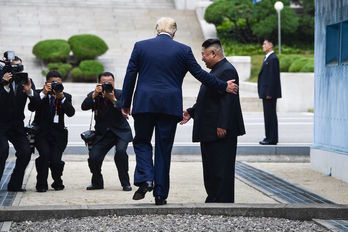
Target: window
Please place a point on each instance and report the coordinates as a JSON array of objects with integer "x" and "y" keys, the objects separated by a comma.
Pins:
[
  {"x": 344, "y": 43},
  {"x": 332, "y": 43}
]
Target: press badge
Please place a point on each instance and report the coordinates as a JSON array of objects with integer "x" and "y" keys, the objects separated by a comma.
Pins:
[{"x": 55, "y": 119}]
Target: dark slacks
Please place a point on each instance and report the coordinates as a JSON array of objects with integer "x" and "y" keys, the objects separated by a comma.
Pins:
[
  {"x": 50, "y": 156},
  {"x": 270, "y": 119},
  {"x": 146, "y": 170},
  {"x": 16, "y": 135},
  {"x": 218, "y": 158},
  {"x": 103, "y": 145}
]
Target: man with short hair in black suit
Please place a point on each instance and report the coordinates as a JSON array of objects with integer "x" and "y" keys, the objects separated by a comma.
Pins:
[
  {"x": 112, "y": 129},
  {"x": 52, "y": 136},
  {"x": 13, "y": 97},
  {"x": 269, "y": 90},
  {"x": 218, "y": 120}
]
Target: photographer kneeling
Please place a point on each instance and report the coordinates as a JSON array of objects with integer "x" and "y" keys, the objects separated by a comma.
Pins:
[
  {"x": 52, "y": 136},
  {"x": 111, "y": 128},
  {"x": 15, "y": 88}
]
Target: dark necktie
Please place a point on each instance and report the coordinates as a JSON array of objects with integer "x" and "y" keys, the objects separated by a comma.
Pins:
[{"x": 51, "y": 103}]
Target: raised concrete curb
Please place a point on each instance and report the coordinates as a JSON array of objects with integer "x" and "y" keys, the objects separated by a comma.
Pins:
[
  {"x": 271, "y": 150},
  {"x": 288, "y": 211}
]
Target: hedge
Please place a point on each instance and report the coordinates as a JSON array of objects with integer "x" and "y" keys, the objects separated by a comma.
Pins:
[
  {"x": 298, "y": 64},
  {"x": 285, "y": 61},
  {"x": 52, "y": 50},
  {"x": 87, "y": 71},
  {"x": 308, "y": 67},
  {"x": 86, "y": 46}
]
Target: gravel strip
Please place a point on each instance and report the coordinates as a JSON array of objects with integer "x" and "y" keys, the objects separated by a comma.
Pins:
[{"x": 167, "y": 223}]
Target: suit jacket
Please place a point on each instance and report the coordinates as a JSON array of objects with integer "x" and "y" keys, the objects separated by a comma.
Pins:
[
  {"x": 268, "y": 83},
  {"x": 107, "y": 116},
  {"x": 217, "y": 110},
  {"x": 162, "y": 64},
  {"x": 44, "y": 116},
  {"x": 12, "y": 106}
]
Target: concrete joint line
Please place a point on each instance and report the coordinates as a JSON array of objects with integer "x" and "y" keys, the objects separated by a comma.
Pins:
[{"x": 288, "y": 211}]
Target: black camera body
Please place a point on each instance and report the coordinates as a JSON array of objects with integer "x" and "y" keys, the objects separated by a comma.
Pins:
[
  {"x": 88, "y": 137},
  {"x": 107, "y": 87},
  {"x": 57, "y": 87},
  {"x": 31, "y": 131},
  {"x": 18, "y": 76}
]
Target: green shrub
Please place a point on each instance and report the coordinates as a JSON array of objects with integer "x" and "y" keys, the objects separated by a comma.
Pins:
[
  {"x": 285, "y": 61},
  {"x": 297, "y": 65},
  {"x": 308, "y": 67},
  {"x": 87, "y": 71},
  {"x": 52, "y": 50},
  {"x": 87, "y": 46},
  {"x": 63, "y": 68}
]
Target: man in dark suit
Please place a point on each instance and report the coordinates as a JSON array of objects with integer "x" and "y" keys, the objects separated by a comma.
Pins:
[
  {"x": 13, "y": 97},
  {"x": 160, "y": 64},
  {"x": 269, "y": 90},
  {"x": 112, "y": 129},
  {"x": 52, "y": 136},
  {"x": 218, "y": 120}
]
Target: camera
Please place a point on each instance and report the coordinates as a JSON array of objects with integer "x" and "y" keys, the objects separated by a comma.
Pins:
[
  {"x": 14, "y": 69},
  {"x": 89, "y": 137},
  {"x": 107, "y": 87},
  {"x": 57, "y": 87},
  {"x": 20, "y": 78},
  {"x": 31, "y": 131}
]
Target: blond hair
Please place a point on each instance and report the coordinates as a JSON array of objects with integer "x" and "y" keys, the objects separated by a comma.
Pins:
[{"x": 167, "y": 25}]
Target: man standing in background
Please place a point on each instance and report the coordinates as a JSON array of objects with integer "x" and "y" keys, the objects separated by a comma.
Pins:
[{"x": 269, "y": 90}]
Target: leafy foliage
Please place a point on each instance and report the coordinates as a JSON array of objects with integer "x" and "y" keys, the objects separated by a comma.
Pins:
[
  {"x": 52, "y": 50},
  {"x": 87, "y": 71},
  {"x": 87, "y": 46}
]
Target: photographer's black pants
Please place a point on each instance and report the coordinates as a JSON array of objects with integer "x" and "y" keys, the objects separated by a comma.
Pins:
[
  {"x": 102, "y": 146},
  {"x": 16, "y": 135},
  {"x": 50, "y": 156}
]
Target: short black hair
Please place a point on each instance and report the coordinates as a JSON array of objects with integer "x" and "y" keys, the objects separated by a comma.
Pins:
[
  {"x": 270, "y": 40},
  {"x": 53, "y": 73},
  {"x": 209, "y": 42},
  {"x": 105, "y": 74}
]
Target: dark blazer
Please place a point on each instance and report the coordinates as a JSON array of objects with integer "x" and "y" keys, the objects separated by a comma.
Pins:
[
  {"x": 44, "y": 119},
  {"x": 12, "y": 105},
  {"x": 217, "y": 110},
  {"x": 108, "y": 117},
  {"x": 268, "y": 83},
  {"x": 162, "y": 64}
]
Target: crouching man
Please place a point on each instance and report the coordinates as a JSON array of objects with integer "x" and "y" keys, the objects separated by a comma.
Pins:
[
  {"x": 112, "y": 129},
  {"x": 52, "y": 136}
]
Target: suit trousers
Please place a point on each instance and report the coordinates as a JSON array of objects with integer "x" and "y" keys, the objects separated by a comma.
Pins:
[
  {"x": 218, "y": 159},
  {"x": 270, "y": 119},
  {"x": 103, "y": 145},
  {"x": 49, "y": 156},
  {"x": 16, "y": 135},
  {"x": 146, "y": 170}
]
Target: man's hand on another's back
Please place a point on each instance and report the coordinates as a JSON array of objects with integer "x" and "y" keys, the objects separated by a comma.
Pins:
[{"x": 232, "y": 87}]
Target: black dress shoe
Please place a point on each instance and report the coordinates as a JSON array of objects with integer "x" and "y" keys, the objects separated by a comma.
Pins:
[
  {"x": 142, "y": 190},
  {"x": 127, "y": 188},
  {"x": 94, "y": 187},
  {"x": 57, "y": 186},
  {"x": 10, "y": 189},
  {"x": 41, "y": 190},
  {"x": 160, "y": 201},
  {"x": 265, "y": 142}
]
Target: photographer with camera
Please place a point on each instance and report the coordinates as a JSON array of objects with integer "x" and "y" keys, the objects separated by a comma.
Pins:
[
  {"x": 15, "y": 88},
  {"x": 111, "y": 128},
  {"x": 52, "y": 136}
]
